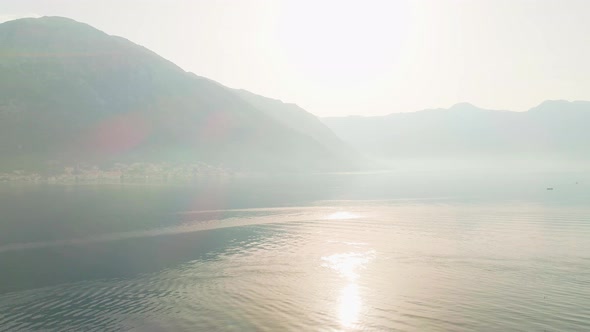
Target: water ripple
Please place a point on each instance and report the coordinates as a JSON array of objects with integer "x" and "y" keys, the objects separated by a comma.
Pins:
[{"x": 434, "y": 267}]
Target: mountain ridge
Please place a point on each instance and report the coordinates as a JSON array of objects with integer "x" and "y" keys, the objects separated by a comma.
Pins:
[
  {"x": 72, "y": 93},
  {"x": 553, "y": 130},
  {"x": 467, "y": 106}
]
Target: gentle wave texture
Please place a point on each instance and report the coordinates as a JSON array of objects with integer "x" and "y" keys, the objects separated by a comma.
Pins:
[{"x": 333, "y": 263}]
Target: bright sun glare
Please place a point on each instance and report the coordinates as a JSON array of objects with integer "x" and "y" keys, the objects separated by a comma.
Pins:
[{"x": 349, "y": 299}]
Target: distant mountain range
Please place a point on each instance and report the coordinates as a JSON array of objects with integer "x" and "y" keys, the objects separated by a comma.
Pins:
[
  {"x": 70, "y": 94},
  {"x": 555, "y": 130}
]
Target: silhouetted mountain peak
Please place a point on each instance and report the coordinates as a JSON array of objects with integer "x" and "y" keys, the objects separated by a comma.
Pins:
[
  {"x": 53, "y": 35},
  {"x": 561, "y": 105},
  {"x": 51, "y": 25},
  {"x": 48, "y": 20},
  {"x": 51, "y": 20},
  {"x": 464, "y": 107}
]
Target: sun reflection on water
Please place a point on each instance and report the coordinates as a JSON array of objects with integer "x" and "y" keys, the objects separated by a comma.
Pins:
[
  {"x": 349, "y": 305},
  {"x": 349, "y": 299},
  {"x": 347, "y": 264}
]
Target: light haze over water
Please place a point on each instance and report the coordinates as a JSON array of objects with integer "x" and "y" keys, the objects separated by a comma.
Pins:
[
  {"x": 341, "y": 252},
  {"x": 294, "y": 165}
]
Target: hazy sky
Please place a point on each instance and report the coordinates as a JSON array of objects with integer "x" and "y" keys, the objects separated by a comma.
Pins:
[{"x": 338, "y": 57}]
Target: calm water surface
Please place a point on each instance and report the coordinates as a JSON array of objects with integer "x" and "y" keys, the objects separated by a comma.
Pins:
[{"x": 371, "y": 252}]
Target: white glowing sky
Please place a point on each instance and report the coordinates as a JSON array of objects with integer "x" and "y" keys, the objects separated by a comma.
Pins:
[{"x": 339, "y": 57}]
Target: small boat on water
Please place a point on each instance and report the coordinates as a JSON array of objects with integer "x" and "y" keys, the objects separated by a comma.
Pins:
[{"x": 550, "y": 188}]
